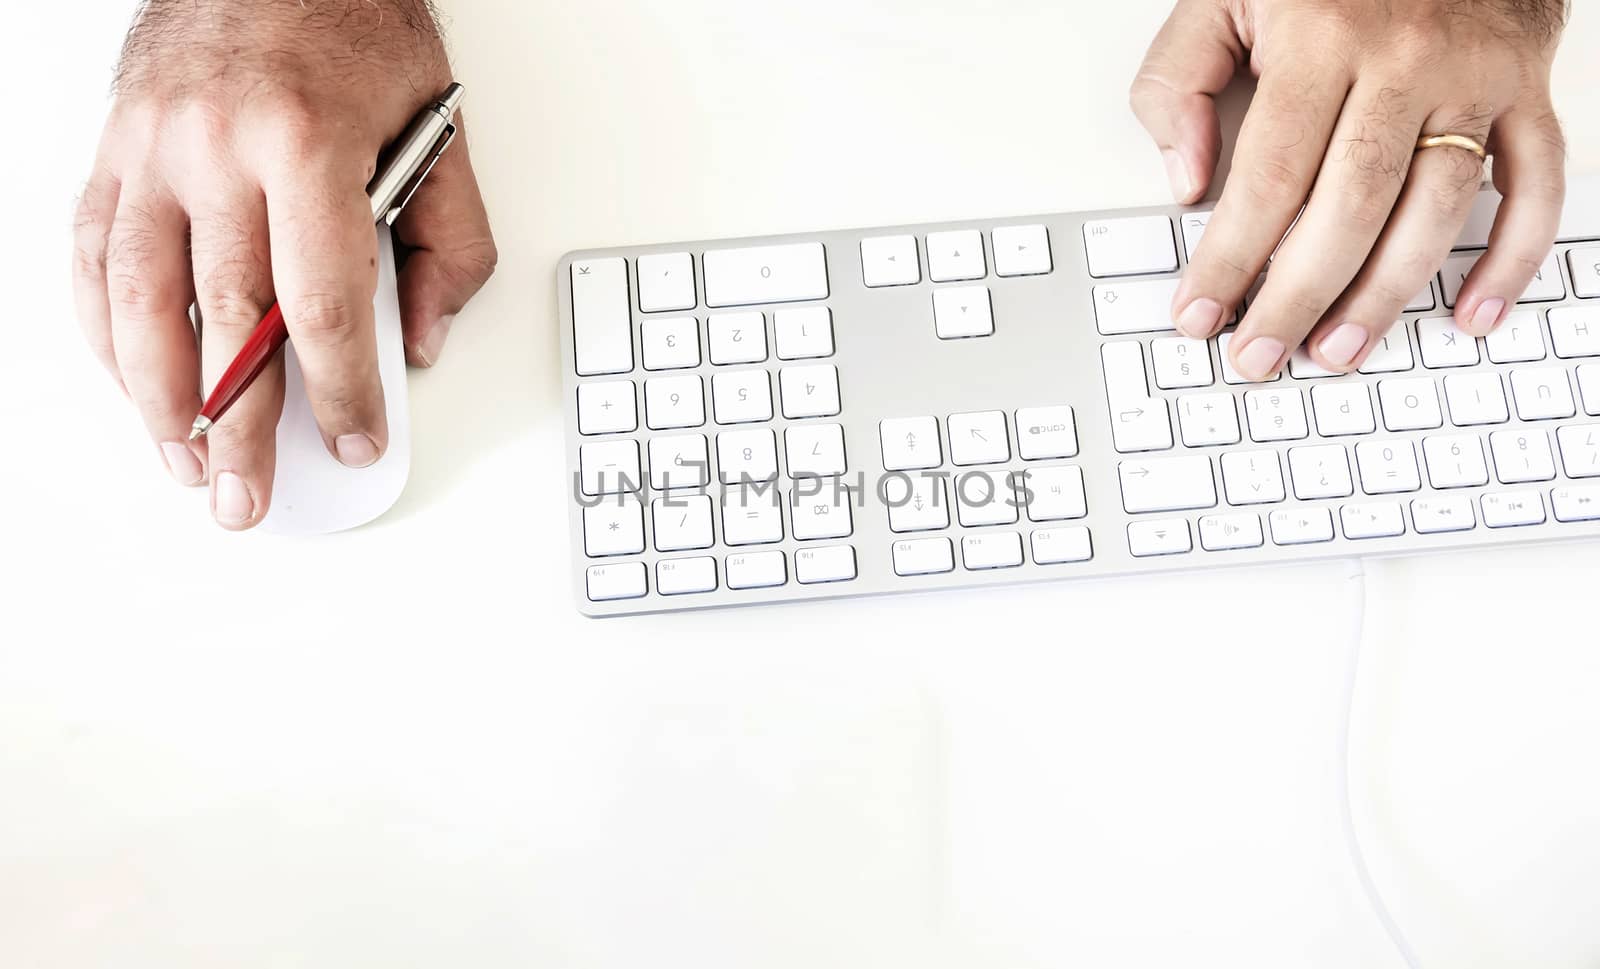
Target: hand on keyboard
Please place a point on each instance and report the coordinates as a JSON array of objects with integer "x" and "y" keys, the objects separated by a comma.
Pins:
[
  {"x": 232, "y": 172},
  {"x": 1346, "y": 89}
]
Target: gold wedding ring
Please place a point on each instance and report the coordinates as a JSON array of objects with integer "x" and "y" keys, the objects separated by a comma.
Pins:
[{"x": 1464, "y": 142}]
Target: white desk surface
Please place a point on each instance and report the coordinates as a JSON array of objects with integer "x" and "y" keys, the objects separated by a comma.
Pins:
[{"x": 422, "y": 756}]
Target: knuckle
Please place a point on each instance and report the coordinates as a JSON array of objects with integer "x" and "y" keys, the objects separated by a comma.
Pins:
[
  {"x": 473, "y": 264},
  {"x": 1275, "y": 182},
  {"x": 232, "y": 310},
  {"x": 324, "y": 317}
]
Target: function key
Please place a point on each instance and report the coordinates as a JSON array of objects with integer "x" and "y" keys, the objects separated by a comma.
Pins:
[{"x": 622, "y": 580}]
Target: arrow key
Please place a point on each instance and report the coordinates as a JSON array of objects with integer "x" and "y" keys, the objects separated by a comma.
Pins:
[
  {"x": 890, "y": 261},
  {"x": 961, "y": 312},
  {"x": 1022, "y": 250}
]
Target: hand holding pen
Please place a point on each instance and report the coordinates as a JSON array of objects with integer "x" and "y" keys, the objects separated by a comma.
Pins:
[{"x": 231, "y": 177}]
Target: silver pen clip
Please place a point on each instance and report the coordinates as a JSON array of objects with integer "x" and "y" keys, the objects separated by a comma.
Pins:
[{"x": 444, "y": 141}]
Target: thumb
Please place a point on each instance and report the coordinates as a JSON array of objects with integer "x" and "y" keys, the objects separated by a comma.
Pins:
[
  {"x": 1194, "y": 56},
  {"x": 452, "y": 252}
]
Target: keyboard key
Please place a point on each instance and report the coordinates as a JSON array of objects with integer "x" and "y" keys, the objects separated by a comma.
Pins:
[
  {"x": 809, "y": 391},
  {"x": 1181, "y": 362},
  {"x": 679, "y": 461},
  {"x": 741, "y": 396},
  {"x": 820, "y": 509},
  {"x": 1301, "y": 526},
  {"x": 615, "y": 526},
  {"x": 747, "y": 456},
  {"x": 751, "y": 515},
  {"x": 681, "y": 522},
  {"x": 756, "y": 570},
  {"x": 1167, "y": 484},
  {"x": 1208, "y": 419},
  {"x": 1542, "y": 393},
  {"x": 1580, "y": 450},
  {"x": 666, "y": 282},
  {"x": 995, "y": 550},
  {"x": 1512, "y": 509},
  {"x": 1276, "y": 415},
  {"x": 1372, "y": 520},
  {"x": 609, "y": 467},
  {"x": 681, "y": 577},
  {"x": 917, "y": 503},
  {"x": 1342, "y": 409},
  {"x": 1546, "y": 283},
  {"x": 737, "y": 338},
  {"x": 890, "y": 261},
  {"x": 1576, "y": 503},
  {"x": 1302, "y": 367},
  {"x": 985, "y": 498},
  {"x": 1055, "y": 494},
  {"x": 671, "y": 402},
  {"x": 1057, "y": 546},
  {"x": 619, "y": 580},
  {"x": 1138, "y": 421},
  {"x": 956, "y": 256},
  {"x": 1222, "y": 533},
  {"x": 1165, "y": 536},
  {"x": 1585, "y": 265},
  {"x": 1252, "y": 477},
  {"x": 1322, "y": 471},
  {"x": 923, "y": 556},
  {"x": 1423, "y": 302},
  {"x": 1575, "y": 331},
  {"x": 814, "y": 450},
  {"x": 1046, "y": 432},
  {"x": 961, "y": 312},
  {"x": 1021, "y": 250},
  {"x": 1392, "y": 353},
  {"x": 1589, "y": 385},
  {"x": 1431, "y": 516},
  {"x": 766, "y": 274},
  {"x": 1409, "y": 404},
  {"x": 1522, "y": 456},
  {"x": 1476, "y": 398},
  {"x": 979, "y": 438},
  {"x": 1518, "y": 340},
  {"x": 1134, "y": 307},
  {"x": 803, "y": 332},
  {"x": 602, "y": 324},
  {"x": 1134, "y": 246},
  {"x": 1232, "y": 376},
  {"x": 671, "y": 343},
  {"x": 1194, "y": 228},
  {"x": 910, "y": 443},
  {"x": 1388, "y": 467},
  {"x": 834, "y": 563},
  {"x": 1443, "y": 345},
  {"x": 1455, "y": 461},
  {"x": 607, "y": 408}
]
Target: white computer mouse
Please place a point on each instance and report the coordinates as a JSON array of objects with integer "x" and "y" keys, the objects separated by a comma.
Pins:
[{"x": 313, "y": 494}]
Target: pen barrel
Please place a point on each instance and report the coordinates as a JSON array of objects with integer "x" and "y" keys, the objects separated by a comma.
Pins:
[{"x": 269, "y": 337}]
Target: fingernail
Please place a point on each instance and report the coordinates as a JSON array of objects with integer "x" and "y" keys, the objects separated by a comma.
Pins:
[
  {"x": 1260, "y": 358},
  {"x": 1200, "y": 318},
  {"x": 182, "y": 464},
  {"x": 233, "y": 504},
  {"x": 1341, "y": 346},
  {"x": 355, "y": 450},
  {"x": 1487, "y": 316},
  {"x": 1177, "y": 175},
  {"x": 432, "y": 342}
]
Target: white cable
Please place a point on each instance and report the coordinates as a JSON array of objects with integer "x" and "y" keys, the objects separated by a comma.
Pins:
[{"x": 1358, "y": 576}]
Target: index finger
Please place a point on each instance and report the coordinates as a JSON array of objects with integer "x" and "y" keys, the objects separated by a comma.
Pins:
[{"x": 325, "y": 272}]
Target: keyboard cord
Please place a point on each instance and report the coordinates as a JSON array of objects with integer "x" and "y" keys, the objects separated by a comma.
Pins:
[{"x": 1357, "y": 577}]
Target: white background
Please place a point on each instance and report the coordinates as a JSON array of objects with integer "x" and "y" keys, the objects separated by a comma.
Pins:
[{"x": 403, "y": 747}]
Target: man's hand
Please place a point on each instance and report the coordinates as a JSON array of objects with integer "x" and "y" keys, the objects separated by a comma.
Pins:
[
  {"x": 232, "y": 172},
  {"x": 1346, "y": 89}
]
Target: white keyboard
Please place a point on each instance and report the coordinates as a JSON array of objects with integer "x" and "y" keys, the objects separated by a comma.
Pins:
[{"x": 938, "y": 406}]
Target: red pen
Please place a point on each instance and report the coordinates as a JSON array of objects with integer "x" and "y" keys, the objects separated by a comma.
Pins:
[{"x": 415, "y": 153}]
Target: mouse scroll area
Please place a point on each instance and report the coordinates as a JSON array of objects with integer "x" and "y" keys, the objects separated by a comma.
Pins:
[{"x": 312, "y": 493}]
